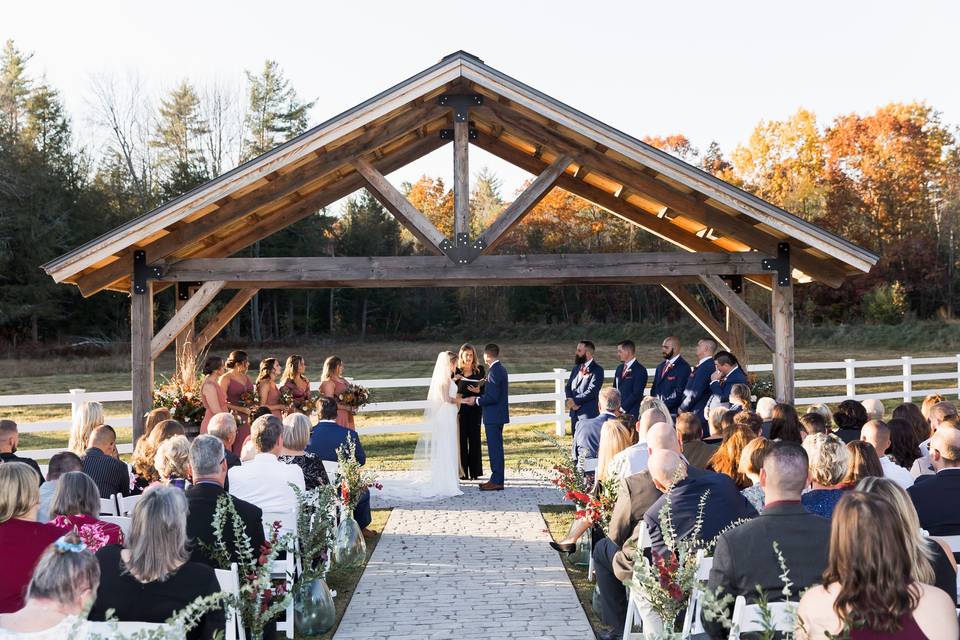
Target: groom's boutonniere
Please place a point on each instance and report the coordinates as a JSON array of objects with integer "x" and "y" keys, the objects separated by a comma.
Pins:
[{"x": 627, "y": 373}]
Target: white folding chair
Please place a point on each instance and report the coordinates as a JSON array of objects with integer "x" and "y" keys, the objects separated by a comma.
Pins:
[
  {"x": 332, "y": 467},
  {"x": 952, "y": 541},
  {"x": 125, "y": 504},
  {"x": 289, "y": 567},
  {"x": 229, "y": 580},
  {"x": 127, "y": 629},
  {"x": 121, "y": 521},
  {"x": 746, "y": 617},
  {"x": 108, "y": 506},
  {"x": 643, "y": 543},
  {"x": 691, "y": 621}
]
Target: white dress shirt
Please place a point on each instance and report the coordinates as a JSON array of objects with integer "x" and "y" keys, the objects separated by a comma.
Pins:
[
  {"x": 626, "y": 367},
  {"x": 895, "y": 472},
  {"x": 264, "y": 481},
  {"x": 632, "y": 460}
]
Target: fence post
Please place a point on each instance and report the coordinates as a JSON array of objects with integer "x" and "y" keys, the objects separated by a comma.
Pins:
[
  {"x": 76, "y": 399},
  {"x": 850, "y": 365},
  {"x": 560, "y": 403},
  {"x": 907, "y": 381},
  {"x": 958, "y": 375}
]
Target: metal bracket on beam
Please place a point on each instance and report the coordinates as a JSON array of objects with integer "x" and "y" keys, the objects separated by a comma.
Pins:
[
  {"x": 447, "y": 134},
  {"x": 183, "y": 289},
  {"x": 780, "y": 264},
  {"x": 464, "y": 252},
  {"x": 143, "y": 272},
  {"x": 735, "y": 282},
  {"x": 461, "y": 104}
]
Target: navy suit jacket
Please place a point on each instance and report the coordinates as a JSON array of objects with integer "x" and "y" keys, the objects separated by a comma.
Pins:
[
  {"x": 327, "y": 436},
  {"x": 586, "y": 443},
  {"x": 737, "y": 376},
  {"x": 724, "y": 505},
  {"x": 669, "y": 385},
  {"x": 496, "y": 393},
  {"x": 697, "y": 391},
  {"x": 585, "y": 392},
  {"x": 935, "y": 498},
  {"x": 630, "y": 385}
]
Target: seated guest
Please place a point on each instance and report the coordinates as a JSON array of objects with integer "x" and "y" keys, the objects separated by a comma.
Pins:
[
  {"x": 59, "y": 464},
  {"x": 910, "y": 412},
  {"x": 151, "y": 577},
  {"x": 296, "y": 435},
  {"x": 941, "y": 414},
  {"x": 88, "y": 417},
  {"x": 22, "y": 538},
  {"x": 586, "y": 440},
  {"x": 652, "y": 402},
  {"x": 935, "y": 496},
  {"x": 326, "y": 438},
  {"x": 751, "y": 420},
  {"x": 869, "y": 589},
  {"x": 874, "y": 409},
  {"x": 903, "y": 444},
  {"x": 765, "y": 407},
  {"x": 63, "y": 584},
  {"x": 928, "y": 401},
  {"x": 877, "y": 433},
  {"x": 153, "y": 420},
  {"x": 751, "y": 463},
  {"x": 715, "y": 421},
  {"x": 695, "y": 449},
  {"x": 224, "y": 427},
  {"x": 812, "y": 423},
  {"x": 144, "y": 471},
  {"x": 75, "y": 509},
  {"x": 264, "y": 480},
  {"x": 744, "y": 559},
  {"x": 740, "y": 397},
  {"x": 786, "y": 424},
  {"x": 209, "y": 466},
  {"x": 928, "y": 551},
  {"x": 849, "y": 418},
  {"x": 633, "y": 459},
  {"x": 9, "y": 439},
  {"x": 172, "y": 462},
  {"x": 823, "y": 410},
  {"x": 864, "y": 463},
  {"x": 102, "y": 463},
  {"x": 727, "y": 458},
  {"x": 829, "y": 458}
]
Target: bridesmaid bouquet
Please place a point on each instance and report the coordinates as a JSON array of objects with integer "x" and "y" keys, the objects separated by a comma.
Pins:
[
  {"x": 248, "y": 399},
  {"x": 354, "y": 397},
  {"x": 286, "y": 398}
]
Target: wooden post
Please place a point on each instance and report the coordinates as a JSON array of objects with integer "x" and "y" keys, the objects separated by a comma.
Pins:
[
  {"x": 461, "y": 179},
  {"x": 783, "y": 353},
  {"x": 141, "y": 362}
]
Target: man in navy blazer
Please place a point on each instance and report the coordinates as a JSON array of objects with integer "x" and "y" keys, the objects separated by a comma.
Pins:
[
  {"x": 670, "y": 378},
  {"x": 496, "y": 413},
  {"x": 697, "y": 392},
  {"x": 583, "y": 385},
  {"x": 587, "y": 443},
  {"x": 630, "y": 378},
  {"x": 728, "y": 373},
  {"x": 325, "y": 438},
  {"x": 935, "y": 496}
]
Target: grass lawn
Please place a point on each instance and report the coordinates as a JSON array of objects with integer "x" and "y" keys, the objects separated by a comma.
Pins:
[{"x": 558, "y": 519}]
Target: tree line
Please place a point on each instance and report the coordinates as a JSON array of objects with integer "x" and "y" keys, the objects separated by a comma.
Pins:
[{"x": 888, "y": 180}]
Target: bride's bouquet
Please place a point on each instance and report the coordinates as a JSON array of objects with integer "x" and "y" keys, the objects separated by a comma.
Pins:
[{"x": 354, "y": 397}]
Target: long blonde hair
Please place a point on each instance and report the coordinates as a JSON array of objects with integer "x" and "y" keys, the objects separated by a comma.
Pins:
[
  {"x": 330, "y": 366},
  {"x": 291, "y": 369},
  {"x": 19, "y": 490},
  {"x": 464, "y": 348},
  {"x": 652, "y": 402},
  {"x": 614, "y": 438},
  {"x": 89, "y": 417},
  {"x": 158, "y": 534}
]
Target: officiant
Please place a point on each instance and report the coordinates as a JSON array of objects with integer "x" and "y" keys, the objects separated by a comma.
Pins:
[{"x": 468, "y": 373}]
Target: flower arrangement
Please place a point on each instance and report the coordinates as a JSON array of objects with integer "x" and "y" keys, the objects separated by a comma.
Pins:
[
  {"x": 354, "y": 397},
  {"x": 354, "y": 479},
  {"x": 316, "y": 522},
  {"x": 181, "y": 392}
]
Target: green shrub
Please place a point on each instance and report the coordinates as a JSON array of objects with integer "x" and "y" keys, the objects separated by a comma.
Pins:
[{"x": 885, "y": 304}]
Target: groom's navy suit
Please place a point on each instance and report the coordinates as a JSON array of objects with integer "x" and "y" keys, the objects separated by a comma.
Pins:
[{"x": 495, "y": 414}]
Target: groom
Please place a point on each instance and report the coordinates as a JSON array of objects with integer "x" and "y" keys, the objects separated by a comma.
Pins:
[{"x": 495, "y": 414}]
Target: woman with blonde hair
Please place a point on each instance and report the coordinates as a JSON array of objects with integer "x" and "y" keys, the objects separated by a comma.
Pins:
[
  {"x": 823, "y": 410},
  {"x": 651, "y": 402},
  {"x": 726, "y": 460},
  {"x": 89, "y": 417},
  {"x": 869, "y": 588},
  {"x": 296, "y": 435},
  {"x": 144, "y": 470},
  {"x": 469, "y": 416},
  {"x": 293, "y": 378},
  {"x": 267, "y": 390},
  {"x": 172, "y": 461},
  {"x": 829, "y": 460},
  {"x": 751, "y": 461},
  {"x": 332, "y": 385}
]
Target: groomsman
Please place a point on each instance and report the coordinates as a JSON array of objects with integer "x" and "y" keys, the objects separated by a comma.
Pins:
[
  {"x": 670, "y": 378},
  {"x": 728, "y": 373},
  {"x": 583, "y": 385},
  {"x": 630, "y": 378},
  {"x": 697, "y": 392}
]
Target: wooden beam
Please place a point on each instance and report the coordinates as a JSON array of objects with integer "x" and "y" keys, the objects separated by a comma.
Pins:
[
  {"x": 283, "y": 186},
  {"x": 184, "y": 339},
  {"x": 736, "y": 329},
  {"x": 521, "y": 206},
  {"x": 783, "y": 353},
  {"x": 461, "y": 178},
  {"x": 701, "y": 314},
  {"x": 216, "y": 324},
  {"x": 401, "y": 208},
  {"x": 743, "y": 311},
  {"x": 141, "y": 361},
  {"x": 185, "y": 316}
]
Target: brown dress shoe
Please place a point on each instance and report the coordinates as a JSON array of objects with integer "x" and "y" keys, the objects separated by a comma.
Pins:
[{"x": 489, "y": 486}]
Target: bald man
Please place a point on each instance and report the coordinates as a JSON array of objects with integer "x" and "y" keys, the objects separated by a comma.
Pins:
[
  {"x": 877, "y": 433},
  {"x": 935, "y": 496},
  {"x": 671, "y": 376}
]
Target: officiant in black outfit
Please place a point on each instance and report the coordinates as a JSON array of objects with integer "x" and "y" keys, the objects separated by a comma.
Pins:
[{"x": 468, "y": 371}]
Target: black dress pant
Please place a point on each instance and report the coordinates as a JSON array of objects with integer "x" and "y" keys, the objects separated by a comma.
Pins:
[
  {"x": 471, "y": 458},
  {"x": 613, "y": 595}
]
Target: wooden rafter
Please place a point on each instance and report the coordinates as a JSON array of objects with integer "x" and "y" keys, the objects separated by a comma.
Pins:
[
  {"x": 216, "y": 324},
  {"x": 743, "y": 311},
  {"x": 700, "y": 313},
  {"x": 185, "y": 316},
  {"x": 461, "y": 178}
]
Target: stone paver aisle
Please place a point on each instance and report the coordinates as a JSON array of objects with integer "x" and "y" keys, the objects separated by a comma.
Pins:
[{"x": 476, "y": 566}]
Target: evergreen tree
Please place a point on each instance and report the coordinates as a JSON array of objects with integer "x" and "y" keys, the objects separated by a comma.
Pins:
[
  {"x": 485, "y": 201},
  {"x": 14, "y": 88},
  {"x": 274, "y": 112},
  {"x": 180, "y": 126}
]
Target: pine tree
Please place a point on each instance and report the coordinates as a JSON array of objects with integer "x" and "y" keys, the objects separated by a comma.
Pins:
[
  {"x": 14, "y": 88},
  {"x": 180, "y": 125},
  {"x": 485, "y": 201},
  {"x": 47, "y": 127},
  {"x": 274, "y": 112}
]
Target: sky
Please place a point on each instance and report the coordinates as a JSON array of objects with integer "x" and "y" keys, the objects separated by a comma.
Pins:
[{"x": 709, "y": 70}]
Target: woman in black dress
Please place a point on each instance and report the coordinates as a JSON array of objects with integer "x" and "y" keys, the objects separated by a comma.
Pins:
[{"x": 466, "y": 375}]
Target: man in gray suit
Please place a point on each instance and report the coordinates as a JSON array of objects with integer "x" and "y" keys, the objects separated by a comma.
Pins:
[{"x": 744, "y": 558}]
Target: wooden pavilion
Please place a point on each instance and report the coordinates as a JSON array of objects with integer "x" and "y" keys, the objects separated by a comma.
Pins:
[{"x": 723, "y": 234}]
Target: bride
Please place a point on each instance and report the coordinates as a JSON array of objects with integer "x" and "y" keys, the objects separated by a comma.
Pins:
[{"x": 435, "y": 473}]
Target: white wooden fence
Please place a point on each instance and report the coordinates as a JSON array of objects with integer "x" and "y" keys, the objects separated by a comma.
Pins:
[{"x": 843, "y": 383}]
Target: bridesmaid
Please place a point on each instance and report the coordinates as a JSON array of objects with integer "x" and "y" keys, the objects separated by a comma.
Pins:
[
  {"x": 267, "y": 390},
  {"x": 213, "y": 398},
  {"x": 294, "y": 380},
  {"x": 332, "y": 384},
  {"x": 234, "y": 384}
]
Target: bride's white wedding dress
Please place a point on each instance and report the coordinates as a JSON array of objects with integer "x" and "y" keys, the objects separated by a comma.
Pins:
[{"x": 436, "y": 469}]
